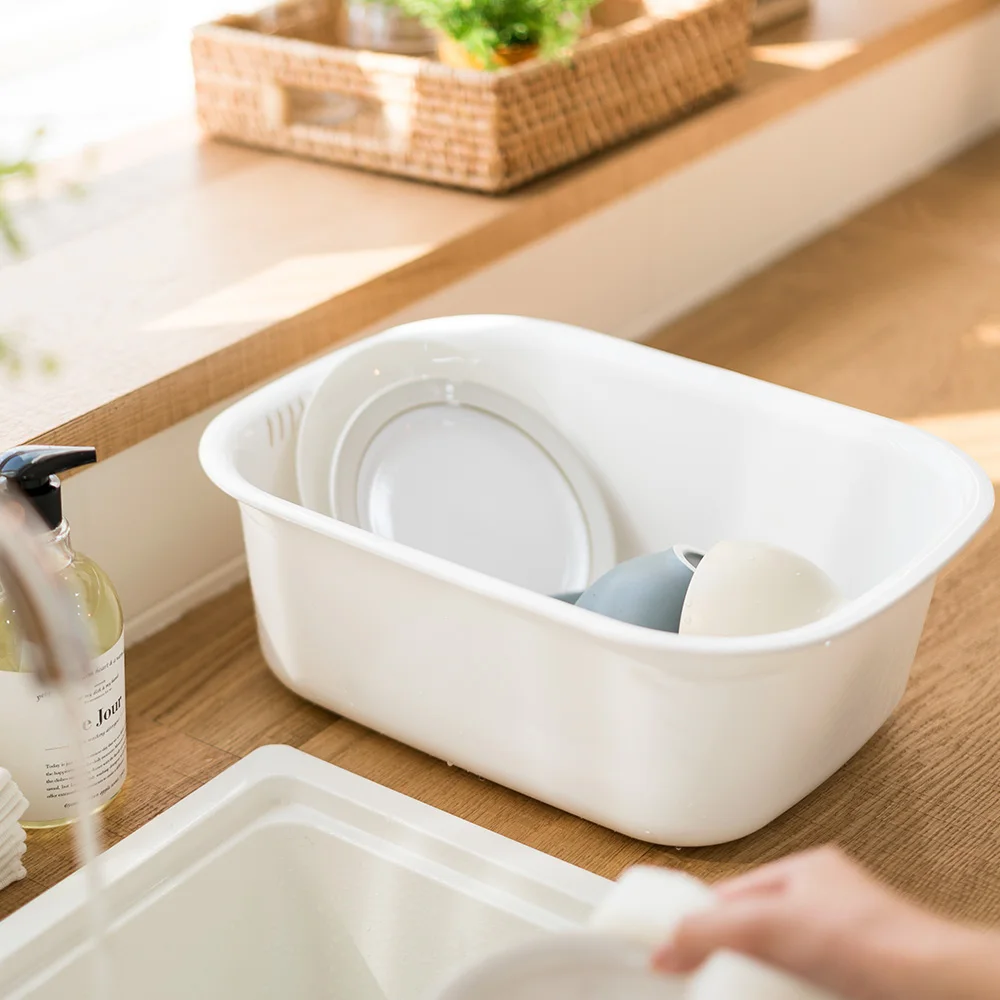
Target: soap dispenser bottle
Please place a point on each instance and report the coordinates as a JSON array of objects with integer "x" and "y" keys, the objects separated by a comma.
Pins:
[{"x": 34, "y": 745}]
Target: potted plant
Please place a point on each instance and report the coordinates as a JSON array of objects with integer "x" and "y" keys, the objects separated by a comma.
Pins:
[{"x": 490, "y": 34}]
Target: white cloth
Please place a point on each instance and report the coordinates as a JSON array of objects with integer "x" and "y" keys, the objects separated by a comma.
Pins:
[
  {"x": 12, "y": 835},
  {"x": 11, "y": 851},
  {"x": 13, "y": 832},
  {"x": 15, "y": 873},
  {"x": 12, "y": 802}
]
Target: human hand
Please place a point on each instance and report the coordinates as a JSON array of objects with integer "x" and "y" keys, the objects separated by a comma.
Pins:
[{"x": 820, "y": 917}]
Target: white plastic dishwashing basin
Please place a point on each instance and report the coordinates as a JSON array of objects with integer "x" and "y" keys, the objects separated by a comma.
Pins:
[
  {"x": 289, "y": 877},
  {"x": 682, "y": 740}
]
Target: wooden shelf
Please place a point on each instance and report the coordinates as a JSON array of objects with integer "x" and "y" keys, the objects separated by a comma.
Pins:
[{"x": 196, "y": 270}]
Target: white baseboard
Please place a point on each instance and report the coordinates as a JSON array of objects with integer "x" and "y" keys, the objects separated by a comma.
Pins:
[
  {"x": 626, "y": 270},
  {"x": 175, "y": 606}
]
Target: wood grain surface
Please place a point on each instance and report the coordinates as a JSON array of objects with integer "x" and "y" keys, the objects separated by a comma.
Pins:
[
  {"x": 897, "y": 311},
  {"x": 193, "y": 270}
]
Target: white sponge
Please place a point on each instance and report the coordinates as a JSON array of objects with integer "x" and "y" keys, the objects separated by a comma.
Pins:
[{"x": 647, "y": 904}]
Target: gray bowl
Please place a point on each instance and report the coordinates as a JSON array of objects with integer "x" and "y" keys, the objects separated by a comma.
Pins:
[
  {"x": 569, "y": 598},
  {"x": 647, "y": 591}
]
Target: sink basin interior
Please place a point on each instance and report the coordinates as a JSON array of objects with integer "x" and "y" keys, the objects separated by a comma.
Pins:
[{"x": 287, "y": 877}]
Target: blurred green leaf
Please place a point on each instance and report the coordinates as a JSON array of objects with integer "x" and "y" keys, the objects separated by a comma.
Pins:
[
  {"x": 13, "y": 360},
  {"x": 8, "y": 233}
]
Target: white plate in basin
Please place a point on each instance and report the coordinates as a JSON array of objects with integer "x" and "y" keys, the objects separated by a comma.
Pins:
[
  {"x": 289, "y": 877},
  {"x": 463, "y": 471},
  {"x": 361, "y": 372}
]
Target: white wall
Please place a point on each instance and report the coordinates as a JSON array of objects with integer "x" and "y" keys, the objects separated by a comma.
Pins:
[
  {"x": 166, "y": 536},
  {"x": 170, "y": 540}
]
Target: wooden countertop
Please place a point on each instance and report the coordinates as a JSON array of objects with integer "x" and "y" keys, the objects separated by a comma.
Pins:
[
  {"x": 194, "y": 270},
  {"x": 897, "y": 311}
]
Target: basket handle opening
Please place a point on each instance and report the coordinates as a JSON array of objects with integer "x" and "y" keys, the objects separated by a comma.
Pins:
[{"x": 327, "y": 115}]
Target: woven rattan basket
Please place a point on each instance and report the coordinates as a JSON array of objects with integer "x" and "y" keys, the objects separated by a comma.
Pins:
[{"x": 278, "y": 80}]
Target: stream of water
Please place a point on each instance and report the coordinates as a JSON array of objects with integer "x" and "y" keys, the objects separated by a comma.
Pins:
[{"x": 87, "y": 834}]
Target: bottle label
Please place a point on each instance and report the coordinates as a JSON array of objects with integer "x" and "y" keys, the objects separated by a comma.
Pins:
[{"x": 34, "y": 744}]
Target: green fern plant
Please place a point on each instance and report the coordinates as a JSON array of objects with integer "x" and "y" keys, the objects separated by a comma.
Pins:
[{"x": 484, "y": 26}]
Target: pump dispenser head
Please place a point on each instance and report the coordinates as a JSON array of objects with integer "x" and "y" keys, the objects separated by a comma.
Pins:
[{"x": 32, "y": 471}]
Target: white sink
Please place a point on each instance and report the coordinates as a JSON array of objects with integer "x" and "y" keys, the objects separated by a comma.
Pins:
[{"x": 286, "y": 877}]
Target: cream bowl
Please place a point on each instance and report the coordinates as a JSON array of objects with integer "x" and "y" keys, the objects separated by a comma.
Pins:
[{"x": 749, "y": 588}]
